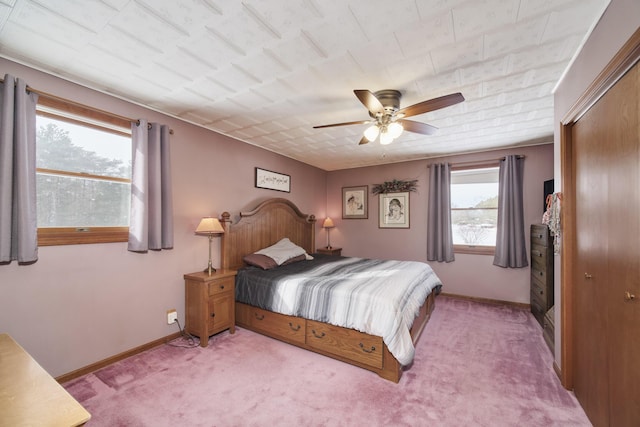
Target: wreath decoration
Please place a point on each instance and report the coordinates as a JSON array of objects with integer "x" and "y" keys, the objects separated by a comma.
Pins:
[{"x": 395, "y": 186}]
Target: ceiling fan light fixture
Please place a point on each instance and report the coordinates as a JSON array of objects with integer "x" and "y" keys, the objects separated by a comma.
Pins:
[
  {"x": 385, "y": 138},
  {"x": 371, "y": 133},
  {"x": 388, "y": 119},
  {"x": 395, "y": 130}
]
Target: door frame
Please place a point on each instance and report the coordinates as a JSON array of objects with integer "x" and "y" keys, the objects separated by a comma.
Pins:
[{"x": 622, "y": 62}]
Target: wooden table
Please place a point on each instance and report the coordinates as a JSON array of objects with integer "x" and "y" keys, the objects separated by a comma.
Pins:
[{"x": 29, "y": 396}]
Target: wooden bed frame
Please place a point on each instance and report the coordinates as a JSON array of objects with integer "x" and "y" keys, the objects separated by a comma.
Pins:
[{"x": 269, "y": 222}]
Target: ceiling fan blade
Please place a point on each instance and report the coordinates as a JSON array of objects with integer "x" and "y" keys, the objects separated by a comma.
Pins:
[
  {"x": 363, "y": 141},
  {"x": 370, "y": 101},
  {"x": 417, "y": 127},
  {"x": 359, "y": 122},
  {"x": 431, "y": 105}
]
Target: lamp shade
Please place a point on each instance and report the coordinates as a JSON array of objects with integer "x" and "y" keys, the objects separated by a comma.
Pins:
[
  {"x": 328, "y": 223},
  {"x": 395, "y": 130},
  {"x": 209, "y": 225},
  {"x": 371, "y": 133},
  {"x": 386, "y": 138}
]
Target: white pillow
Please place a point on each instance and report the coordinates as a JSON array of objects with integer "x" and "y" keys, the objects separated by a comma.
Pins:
[{"x": 283, "y": 250}]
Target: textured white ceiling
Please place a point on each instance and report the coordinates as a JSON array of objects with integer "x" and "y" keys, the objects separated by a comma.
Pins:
[{"x": 266, "y": 71}]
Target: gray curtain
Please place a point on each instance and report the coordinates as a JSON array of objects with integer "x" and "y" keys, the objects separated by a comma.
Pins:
[
  {"x": 511, "y": 249},
  {"x": 18, "y": 222},
  {"x": 151, "y": 219},
  {"x": 439, "y": 235}
]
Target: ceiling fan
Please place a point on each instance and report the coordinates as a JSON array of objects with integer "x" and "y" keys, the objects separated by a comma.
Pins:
[{"x": 389, "y": 120}]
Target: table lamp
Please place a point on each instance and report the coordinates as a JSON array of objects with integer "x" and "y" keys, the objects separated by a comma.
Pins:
[
  {"x": 209, "y": 226},
  {"x": 328, "y": 224}
]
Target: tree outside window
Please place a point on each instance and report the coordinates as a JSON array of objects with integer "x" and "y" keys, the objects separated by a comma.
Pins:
[
  {"x": 83, "y": 181},
  {"x": 474, "y": 207}
]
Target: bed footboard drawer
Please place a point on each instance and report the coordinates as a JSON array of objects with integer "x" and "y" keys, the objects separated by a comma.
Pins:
[
  {"x": 421, "y": 319},
  {"x": 287, "y": 328},
  {"x": 347, "y": 343}
]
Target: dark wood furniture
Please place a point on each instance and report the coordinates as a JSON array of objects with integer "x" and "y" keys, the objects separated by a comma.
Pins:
[
  {"x": 29, "y": 396},
  {"x": 548, "y": 329},
  {"x": 209, "y": 303},
  {"x": 541, "y": 297},
  {"x": 330, "y": 251},
  {"x": 269, "y": 222}
]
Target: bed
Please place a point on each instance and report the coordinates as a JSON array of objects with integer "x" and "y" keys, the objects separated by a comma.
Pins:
[{"x": 305, "y": 325}]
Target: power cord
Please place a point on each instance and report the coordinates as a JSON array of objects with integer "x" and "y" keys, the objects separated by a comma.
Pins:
[{"x": 190, "y": 340}]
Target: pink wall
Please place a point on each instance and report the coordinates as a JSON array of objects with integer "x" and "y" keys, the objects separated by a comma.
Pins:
[
  {"x": 472, "y": 275},
  {"x": 81, "y": 304},
  {"x": 617, "y": 25}
]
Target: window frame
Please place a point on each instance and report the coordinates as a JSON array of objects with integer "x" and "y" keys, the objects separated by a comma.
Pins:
[
  {"x": 475, "y": 249},
  {"x": 71, "y": 112}
]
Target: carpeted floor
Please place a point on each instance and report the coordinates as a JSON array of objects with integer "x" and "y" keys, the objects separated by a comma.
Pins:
[{"x": 476, "y": 365}]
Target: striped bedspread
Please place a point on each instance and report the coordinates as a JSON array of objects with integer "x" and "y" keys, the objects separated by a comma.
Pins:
[{"x": 377, "y": 297}]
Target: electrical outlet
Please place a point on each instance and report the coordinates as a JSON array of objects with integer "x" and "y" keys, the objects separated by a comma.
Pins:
[{"x": 172, "y": 316}]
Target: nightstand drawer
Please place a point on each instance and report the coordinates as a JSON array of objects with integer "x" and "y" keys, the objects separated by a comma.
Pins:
[{"x": 222, "y": 285}]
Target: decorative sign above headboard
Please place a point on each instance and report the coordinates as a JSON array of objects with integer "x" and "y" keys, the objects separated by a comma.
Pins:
[{"x": 273, "y": 180}]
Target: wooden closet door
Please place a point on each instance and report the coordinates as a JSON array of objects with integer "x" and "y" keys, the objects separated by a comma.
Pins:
[
  {"x": 606, "y": 148},
  {"x": 591, "y": 384},
  {"x": 624, "y": 253}
]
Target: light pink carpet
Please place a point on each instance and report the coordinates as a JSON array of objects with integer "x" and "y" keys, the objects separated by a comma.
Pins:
[{"x": 475, "y": 365}]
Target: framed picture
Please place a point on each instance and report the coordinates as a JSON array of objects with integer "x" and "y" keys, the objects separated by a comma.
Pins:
[
  {"x": 394, "y": 210},
  {"x": 355, "y": 204},
  {"x": 273, "y": 180}
]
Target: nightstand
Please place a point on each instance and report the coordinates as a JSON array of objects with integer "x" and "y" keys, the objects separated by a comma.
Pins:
[
  {"x": 209, "y": 303},
  {"x": 330, "y": 251}
]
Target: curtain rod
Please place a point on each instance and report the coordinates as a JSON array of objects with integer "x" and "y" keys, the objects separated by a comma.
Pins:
[
  {"x": 479, "y": 163},
  {"x": 107, "y": 113},
  {"x": 115, "y": 116}
]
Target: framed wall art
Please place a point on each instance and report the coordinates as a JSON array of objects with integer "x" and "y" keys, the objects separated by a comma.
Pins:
[
  {"x": 355, "y": 204},
  {"x": 273, "y": 180},
  {"x": 394, "y": 210}
]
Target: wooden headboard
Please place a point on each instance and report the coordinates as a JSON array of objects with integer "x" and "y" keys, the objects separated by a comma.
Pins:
[{"x": 269, "y": 222}]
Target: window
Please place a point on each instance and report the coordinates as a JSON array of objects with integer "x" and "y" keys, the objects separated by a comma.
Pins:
[
  {"x": 83, "y": 175},
  {"x": 474, "y": 209}
]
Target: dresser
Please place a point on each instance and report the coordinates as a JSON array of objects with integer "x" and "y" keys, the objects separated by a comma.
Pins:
[
  {"x": 548, "y": 330},
  {"x": 541, "y": 271},
  {"x": 209, "y": 303}
]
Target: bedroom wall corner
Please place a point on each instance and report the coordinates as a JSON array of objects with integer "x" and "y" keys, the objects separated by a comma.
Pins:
[{"x": 469, "y": 275}]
